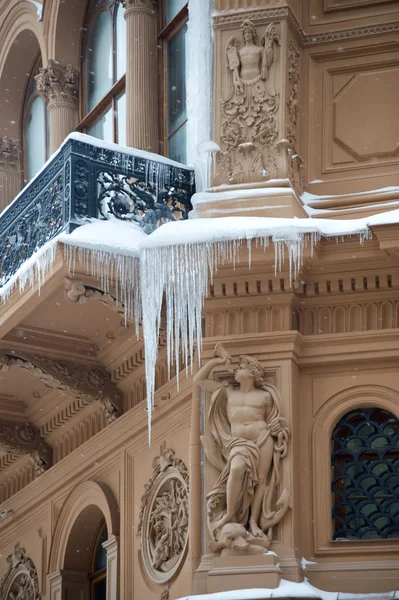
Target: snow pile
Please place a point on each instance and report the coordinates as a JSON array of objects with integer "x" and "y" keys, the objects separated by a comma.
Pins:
[
  {"x": 39, "y": 9},
  {"x": 290, "y": 589},
  {"x": 200, "y": 90}
]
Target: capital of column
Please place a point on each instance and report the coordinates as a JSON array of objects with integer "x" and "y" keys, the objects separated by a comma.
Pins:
[
  {"x": 9, "y": 154},
  {"x": 134, "y": 6},
  {"x": 58, "y": 84}
]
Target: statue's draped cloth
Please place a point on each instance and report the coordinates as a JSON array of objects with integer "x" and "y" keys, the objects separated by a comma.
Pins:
[{"x": 249, "y": 451}]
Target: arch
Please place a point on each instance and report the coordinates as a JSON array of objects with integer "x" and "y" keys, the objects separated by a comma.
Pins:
[
  {"x": 86, "y": 505},
  {"x": 63, "y": 22},
  {"x": 359, "y": 396},
  {"x": 23, "y": 41}
]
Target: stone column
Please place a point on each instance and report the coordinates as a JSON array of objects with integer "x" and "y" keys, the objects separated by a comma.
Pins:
[
  {"x": 112, "y": 548},
  {"x": 59, "y": 87},
  {"x": 142, "y": 75},
  {"x": 10, "y": 174}
]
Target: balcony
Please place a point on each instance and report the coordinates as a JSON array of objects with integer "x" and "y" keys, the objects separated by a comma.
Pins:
[{"x": 88, "y": 178}]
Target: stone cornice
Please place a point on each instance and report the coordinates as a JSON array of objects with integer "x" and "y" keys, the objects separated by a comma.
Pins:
[
  {"x": 9, "y": 154},
  {"x": 223, "y": 19},
  {"x": 21, "y": 438},
  {"x": 58, "y": 84}
]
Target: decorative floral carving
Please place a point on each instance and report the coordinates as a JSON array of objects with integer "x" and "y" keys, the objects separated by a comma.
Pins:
[
  {"x": 79, "y": 380},
  {"x": 23, "y": 438},
  {"x": 20, "y": 581},
  {"x": 249, "y": 108},
  {"x": 58, "y": 84},
  {"x": 150, "y": 5},
  {"x": 9, "y": 154},
  {"x": 79, "y": 293},
  {"x": 163, "y": 521},
  {"x": 292, "y": 100}
]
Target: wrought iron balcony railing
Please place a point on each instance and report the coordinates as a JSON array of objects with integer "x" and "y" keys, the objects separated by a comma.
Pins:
[{"x": 89, "y": 179}]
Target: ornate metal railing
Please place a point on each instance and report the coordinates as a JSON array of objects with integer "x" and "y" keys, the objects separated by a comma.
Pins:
[{"x": 86, "y": 180}]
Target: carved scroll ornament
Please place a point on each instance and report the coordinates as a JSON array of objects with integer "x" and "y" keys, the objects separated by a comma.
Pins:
[
  {"x": 249, "y": 108},
  {"x": 247, "y": 449},
  {"x": 163, "y": 522},
  {"x": 90, "y": 382},
  {"x": 79, "y": 293},
  {"x": 23, "y": 438},
  {"x": 58, "y": 84},
  {"x": 20, "y": 581}
]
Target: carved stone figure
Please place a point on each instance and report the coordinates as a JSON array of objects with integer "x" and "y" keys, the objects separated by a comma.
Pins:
[
  {"x": 246, "y": 439},
  {"x": 163, "y": 521},
  {"x": 9, "y": 154},
  {"x": 249, "y": 127},
  {"x": 20, "y": 581}
]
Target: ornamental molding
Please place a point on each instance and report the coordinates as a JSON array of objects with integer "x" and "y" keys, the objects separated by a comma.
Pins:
[
  {"x": 23, "y": 438},
  {"x": 79, "y": 293},
  {"x": 58, "y": 84},
  {"x": 226, "y": 18},
  {"x": 163, "y": 519},
  {"x": 85, "y": 382},
  {"x": 134, "y": 6},
  {"x": 21, "y": 581},
  {"x": 9, "y": 154}
]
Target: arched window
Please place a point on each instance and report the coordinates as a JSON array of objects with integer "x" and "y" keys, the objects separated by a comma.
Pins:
[
  {"x": 98, "y": 567},
  {"x": 103, "y": 105},
  {"x": 35, "y": 127},
  {"x": 365, "y": 470},
  {"x": 173, "y": 39}
]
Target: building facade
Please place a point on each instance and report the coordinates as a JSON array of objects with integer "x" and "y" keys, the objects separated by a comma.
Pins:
[{"x": 277, "y": 460}]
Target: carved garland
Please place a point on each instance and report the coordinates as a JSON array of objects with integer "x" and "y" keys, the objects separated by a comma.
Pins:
[
  {"x": 163, "y": 521},
  {"x": 20, "y": 581}
]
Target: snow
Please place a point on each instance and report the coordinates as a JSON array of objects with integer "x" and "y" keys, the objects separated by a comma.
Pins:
[
  {"x": 39, "y": 9},
  {"x": 199, "y": 90},
  {"x": 289, "y": 589},
  {"x": 307, "y": 197}
]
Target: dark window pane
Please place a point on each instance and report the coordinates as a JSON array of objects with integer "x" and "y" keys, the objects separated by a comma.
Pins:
[
  {"x": 176, "y": 80},
  {"x": 365, "y": 487},
  {"x": 173, "y": 7},
  {"x": 100, "y": 554},
  {"x": 99, "y": 59},
  {"x": 100, "y": 590},
  {"x": 177, "y": 145}
]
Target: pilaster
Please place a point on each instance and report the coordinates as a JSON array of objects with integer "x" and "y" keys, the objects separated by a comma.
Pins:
[
  {"x": 9, "y": 170},
  {"x": 141, "y": 75},
  {"x": 112, "y": 548},
  {"x": 257, "y": 74},
  {"x": 58, "y": 85}
]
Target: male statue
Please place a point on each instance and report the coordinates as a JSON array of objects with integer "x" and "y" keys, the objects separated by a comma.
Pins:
[{"x": 246, "y": 438}]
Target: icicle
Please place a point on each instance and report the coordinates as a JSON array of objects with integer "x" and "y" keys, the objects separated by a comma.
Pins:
[{"x": 111, "y": 269}]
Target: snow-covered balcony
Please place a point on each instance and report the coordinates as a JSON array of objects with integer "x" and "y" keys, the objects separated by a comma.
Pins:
[{"x": 87, "y": 178}]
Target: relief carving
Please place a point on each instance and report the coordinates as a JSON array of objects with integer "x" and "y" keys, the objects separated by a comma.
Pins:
[
  {"x": 163, "y": 521},
  {"x": 23, "y": 438},
  {"x": 20, "y": 581},
  {"x": 249, "y": 127},
  {"x": 58, "y": 84},
  {"x": 86, "y": 382},
  {"x": 9, "y": 154},
  {"x": 79, "y": 293},
  {"x": 247, "y": 438}
]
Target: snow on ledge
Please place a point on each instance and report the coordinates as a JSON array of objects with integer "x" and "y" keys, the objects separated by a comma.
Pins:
[{"x": 289, "y": 589}]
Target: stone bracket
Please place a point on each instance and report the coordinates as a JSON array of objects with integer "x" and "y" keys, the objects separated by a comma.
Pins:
[{"x": 90, "y": 382}]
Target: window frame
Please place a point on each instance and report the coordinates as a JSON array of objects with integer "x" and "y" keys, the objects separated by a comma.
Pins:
[
  {"x": 109, "y": 101},
  {"x": 101, "y": 574},
  {"x": 28, "y": 101},
  {"x": 319, "y": 529},
  {"x": 166, "y": 32}
]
